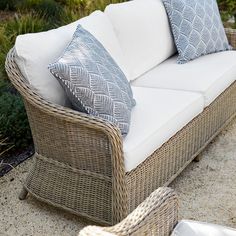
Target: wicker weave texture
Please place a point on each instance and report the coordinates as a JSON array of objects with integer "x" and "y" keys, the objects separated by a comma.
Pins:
[
  {"x": 157, "y": 215},
  {"x": 79, "y": 162},
  {"x": 231, "y": 35}
]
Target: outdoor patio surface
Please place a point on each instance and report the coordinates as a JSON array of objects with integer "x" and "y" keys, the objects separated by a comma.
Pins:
[{"x": 207, "y": 192}]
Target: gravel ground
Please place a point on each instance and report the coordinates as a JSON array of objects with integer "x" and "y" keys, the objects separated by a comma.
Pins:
[
  {"x": 207, "y": 189},
  {"x": 207, "y": 192}
]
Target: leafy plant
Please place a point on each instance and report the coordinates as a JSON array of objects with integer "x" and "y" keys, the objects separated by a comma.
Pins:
[
  {"x": 20, "y": 24},
  {"x": 5, "y": 45},
  {"x": 75, "y": 9},
  {"x": 8, "y": 4},
  {"x": 227, "y": 9},
  {"x": 13, "y": 120},
  {"x": 25, "y": 23},
  {"x": 48, "y": 9},
  {"x": 228, "y": 6}
]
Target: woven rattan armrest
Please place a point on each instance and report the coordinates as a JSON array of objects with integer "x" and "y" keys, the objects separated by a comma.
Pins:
[
  {"x": 231, "y": 35},
  {"x": 157, "y": 215},
  {"x": 86, "y": 146}
]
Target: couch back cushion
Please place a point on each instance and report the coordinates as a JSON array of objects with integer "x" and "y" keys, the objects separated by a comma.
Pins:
[
  {"x": 35, "y": 51},
  {"x": 143, "y": 32},
  {"x": 197, "y": 28}
]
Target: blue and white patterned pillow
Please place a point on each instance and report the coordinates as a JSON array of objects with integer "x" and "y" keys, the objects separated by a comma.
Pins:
[
  {"x": 197, "y": 28},
  {"x": 93, "y": 81}
]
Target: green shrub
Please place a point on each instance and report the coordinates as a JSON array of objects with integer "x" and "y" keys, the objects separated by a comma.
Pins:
[
  {"x": 5, "y": 86},
  {"x": 93, "y": 5},
  {"x": 227, "y": 9},
  {"x": 20, "y": 24},
  {"x": 228, "y": 6},
  {"x": 13, "y": 120},
  {"x": 75, "y": 9},
  {"x": 8, "y": 4},
  {"x": 25, "y": 23},
  {"x": 49, "y": 9},
  {"x": 88, "y": 6},
  {"x": 5, "y": 45}
]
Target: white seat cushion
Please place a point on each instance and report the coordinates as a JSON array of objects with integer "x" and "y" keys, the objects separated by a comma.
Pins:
[
  {"x": 144, "y": 33},
  {"x": 157, "y": 116},
  {"x": 35, "y": 51},
  {"x": 209, "y": 75},
  {"x": 193, "y": 228}
]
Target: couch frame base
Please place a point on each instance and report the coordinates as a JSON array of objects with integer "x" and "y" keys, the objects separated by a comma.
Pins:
[{"x": 79, "y": 163}]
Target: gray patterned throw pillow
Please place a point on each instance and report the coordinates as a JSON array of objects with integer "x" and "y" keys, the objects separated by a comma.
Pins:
[
  {"x": 93, "y": 81},
  {"x": 197, "y": 28}
]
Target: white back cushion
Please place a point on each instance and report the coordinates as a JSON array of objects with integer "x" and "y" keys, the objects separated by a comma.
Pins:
[
  {"x": 209, "y": 75},
  {"x": 35, "y": 51},
  {"x": 144, "y": 33}
]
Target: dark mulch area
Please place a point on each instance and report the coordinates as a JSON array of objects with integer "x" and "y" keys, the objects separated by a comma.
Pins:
[
  {"x": 5, "y": 15},
  {"x": 11, "y": 160}
]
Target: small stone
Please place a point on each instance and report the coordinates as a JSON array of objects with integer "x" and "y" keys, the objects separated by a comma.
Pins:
[
  {"x": 210, "y": 168},
  {"x": 233, "y": 219}
]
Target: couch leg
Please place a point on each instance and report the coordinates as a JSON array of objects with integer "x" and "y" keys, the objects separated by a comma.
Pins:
[
  {"x": 23, "y": 194},
  {"x": 198, "y": 158}
]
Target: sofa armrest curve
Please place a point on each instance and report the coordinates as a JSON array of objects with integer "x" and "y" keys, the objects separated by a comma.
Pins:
[{"x": 157, "y": 215}]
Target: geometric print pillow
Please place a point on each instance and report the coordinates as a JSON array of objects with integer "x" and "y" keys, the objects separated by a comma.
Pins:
[
  {"x": 93, "y": 81},
  {"x": 197, "y": 28}
]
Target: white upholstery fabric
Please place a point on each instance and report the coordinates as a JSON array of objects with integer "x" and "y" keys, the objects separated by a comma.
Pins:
[
  {"x": 35, "y": 51},
  {"x": 144, "y": 33},
  {"x": 209, "y": 75},
  {"x": 193, "y": 228},
  {"x": 157, "y": 116}
]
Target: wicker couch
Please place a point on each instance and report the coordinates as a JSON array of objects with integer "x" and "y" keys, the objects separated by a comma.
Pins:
[{"x": 80, "y": 161}]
